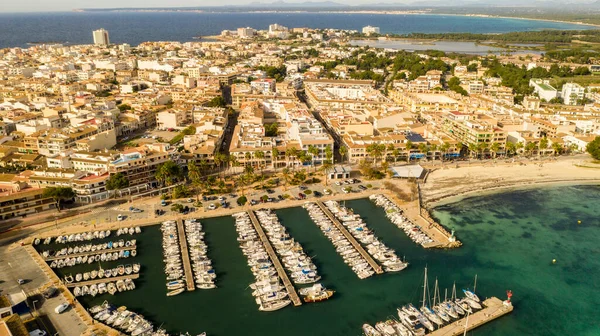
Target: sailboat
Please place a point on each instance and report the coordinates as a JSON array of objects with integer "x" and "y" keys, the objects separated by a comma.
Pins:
[
  {"x": 437, "y": 306},
  {"x": 430, "y": 314}
]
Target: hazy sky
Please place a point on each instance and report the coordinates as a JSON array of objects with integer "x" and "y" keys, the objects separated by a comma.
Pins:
[{"x": 67, "y": 5}]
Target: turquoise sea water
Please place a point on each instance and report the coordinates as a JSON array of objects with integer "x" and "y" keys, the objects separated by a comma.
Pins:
[{"x": 509, "y": 241}]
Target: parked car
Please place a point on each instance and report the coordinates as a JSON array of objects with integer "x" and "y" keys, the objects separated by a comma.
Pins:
[
  {"x": 253, "y": 202},
  {"x": 50, "y": 292},
  {"x": 301, "y": 195},
  {"x": 135, "y": 210},
  {"x": 38, "y": 332},
  {"x": 120, "y": 217},
  {"x": 190, "y": 200},
  {"x": 338, "y": 183},
  {"x": 326, "y": 191},
  {"x": 362, "y": 187},
  {"x": 303, "y": 187},
  {"x": 61, "y": 308},
  {"x": 317, "y": 194},
  {"x": 21, "y": 281},
  {"x": 221, "y": 198},
  {"x": 281, "y": 198},
  {"x": 212, "y": 206},
  {"x": 164, "y": 202},
  {"x": 270, "y": 191}
]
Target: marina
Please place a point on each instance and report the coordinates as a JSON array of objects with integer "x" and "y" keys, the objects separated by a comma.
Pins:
[
  {"x": 103, "y": 280},
  {"x": 358, "y": 228},
  {"x": 185, "y": 256},
  {"x": 267, "y": 283},
  {"x": 378, "y": 269},
  {"x": 91, "y": 253},
  {"x": 204, "y": 274},
  {"x": 289, "y": 287}
]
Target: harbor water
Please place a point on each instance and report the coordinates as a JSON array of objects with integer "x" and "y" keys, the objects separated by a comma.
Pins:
[{"x": 509, "y": 241}]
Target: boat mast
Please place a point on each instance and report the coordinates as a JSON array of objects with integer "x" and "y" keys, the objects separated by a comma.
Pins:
[
  {"x": 424, "y": 286},
  {"x": 435, "y": 291},
  {"x": 475, "y": 285},
  {"x": 454, "y": 291},
  {"x": 446, "y": 295}
]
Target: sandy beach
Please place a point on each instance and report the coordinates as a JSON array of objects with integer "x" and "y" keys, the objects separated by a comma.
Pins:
[{"x": 450, "y": 181}]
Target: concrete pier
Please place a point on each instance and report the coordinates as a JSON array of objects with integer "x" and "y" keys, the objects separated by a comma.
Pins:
[
  {"x": 378, "y": 269},
  {"x": 280, "y": 270},
  {"x": 185, "y": 257},
  {"x": 493, "y": 308},
  {"x": 89, "y": 253},
  {"x": 102, "y": 280}
]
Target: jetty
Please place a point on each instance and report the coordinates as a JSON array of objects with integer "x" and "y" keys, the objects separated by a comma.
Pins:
[
  {"x": 102, "y": 280},
  {"x": 280, "y": 270},
  {"x": 493, "y": 309},
  {"x": 376, "y": 267},
  {"x": 89, "y": 253},
  {"x": 185, "y": 257}
]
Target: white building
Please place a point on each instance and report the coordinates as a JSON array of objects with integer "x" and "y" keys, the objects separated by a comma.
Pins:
[
  {"x": 246, "y": 32},
  {"x": 101, "y": 37},
  {"x": 571, "y": 93},
  {"x": 543, "y": 89},
  {"x": 368, "y": 30}
]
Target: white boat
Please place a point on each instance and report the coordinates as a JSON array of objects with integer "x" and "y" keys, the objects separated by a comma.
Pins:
[
  {"x": 175, "y": 292},
  {"x": 369, "y": 330}
]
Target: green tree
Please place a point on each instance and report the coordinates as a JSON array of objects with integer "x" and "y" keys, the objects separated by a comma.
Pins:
[
  {"x": 530, "y": 147},
  {"x": 275, "y": 156},
  {"x": 543, "y": 145},
  {"x": 260, "y": 155},
  {"x": 124, "y": 107},
  {"x": 117, "y": 181},
  {"x": 217, "y": 102},
  {"x": 286, "y": 177},
  {"x": 409, "y": 146},
  {"x": 593, "y": 147},
  {"x": 168, "y": 173},
  {"x": 343, "y": 151},
  {"x": 314, "y": 151},
  {"x": 271, "y": 129},
  {"x": 59, "y": 194},
  {"x": 558, "y": 148}
]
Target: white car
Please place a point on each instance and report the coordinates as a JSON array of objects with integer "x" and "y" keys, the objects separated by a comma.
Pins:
[
  {"x": 338, "y": 183},
  {"x": 212, "y": 206},
  {"x": 120, "y": 217},
  {"x": 326, "y": 191},
  {"x": 37, "y": 332},
  {"x": 61, "y": 308}
]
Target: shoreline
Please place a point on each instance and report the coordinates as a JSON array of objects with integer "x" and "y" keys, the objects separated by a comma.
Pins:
[
  {"x": 452, "y": 184},
  {"x": 301, "y": 11},
  {"x": 450, "y": 199}
]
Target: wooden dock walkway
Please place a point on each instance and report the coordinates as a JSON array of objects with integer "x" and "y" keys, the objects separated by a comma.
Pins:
[
  {"x": 101, "y": 280},
  {"x": 280, "y": 270},
  {"x": 378, "y": 269},
  {"x": 493, "y": 309},
  {"x": 185, "y": 257},
  {"x": 89, "y": 253}
]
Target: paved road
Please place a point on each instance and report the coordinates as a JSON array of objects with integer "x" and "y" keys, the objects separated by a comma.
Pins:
[{"x": 18, "y": 264}]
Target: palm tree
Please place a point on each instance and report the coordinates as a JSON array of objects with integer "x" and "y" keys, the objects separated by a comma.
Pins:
[
  {"x": 260, "y": 155},
  {"x": 530, "y": 147},
  {"x": 543, "y": 145},
  {"x": 329, "y": 154},
  {"x": 472, "y": 149},
  {"x": 343, "y": 151},
  {"x": 444, "y": 148},
  {"x": 459, "y": 146},
  {"x": 314, "y": 151},
  {"x": 519, "y": 146},
  {"x": 558, "y": 148},
  {"x": 275, "y": 155},
  {"x": 481, "y": 147},
  {"x": 510, "y": 147},
  {"x": 292, "y": 153},
  {"x": 390, "y": 149},
  {"x": 326, "y": 166},
  {"x": 286, "y": 177},
  {"x": 434, "y": 148},
  {"x": 195, "y": 176},
  {"x": 409, "y": 146},
  {"x": 248, "y": 157},
  {"x": 495, "y": 147},
  {"x": 385, "y": 167},
  {"x": 423, "y": 148}
]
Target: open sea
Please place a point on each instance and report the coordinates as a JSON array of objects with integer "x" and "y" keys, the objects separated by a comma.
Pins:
[
  {"x": 18, "y": 29},
  {"x": 509, "y": 238}
]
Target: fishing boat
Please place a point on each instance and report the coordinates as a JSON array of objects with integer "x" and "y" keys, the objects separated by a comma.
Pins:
[
  {"x": 318, "y": 297},
  {"x": 175, "y": 292}
]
